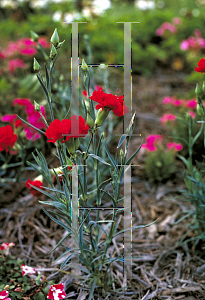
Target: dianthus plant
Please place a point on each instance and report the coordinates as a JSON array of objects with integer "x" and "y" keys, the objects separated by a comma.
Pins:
[{"x": 93, "y": 235}]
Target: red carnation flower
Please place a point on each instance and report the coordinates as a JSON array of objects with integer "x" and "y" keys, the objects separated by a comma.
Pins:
[
  {"x": 109, "y": 101},
  {"x": 36, "y": 183},
  {"x": 56, "y": 292},
  {"x": 58, "y": 128},
  {"x": 7, "y": 138},
  {"x": 201, "y": 66}
]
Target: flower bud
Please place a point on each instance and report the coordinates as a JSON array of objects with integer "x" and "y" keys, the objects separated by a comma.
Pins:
[
  {"x": 77, "y": 143},
  {"x": 37, "y": 106},
  {"x": 34, "y": 36},
  {"x": 36, "y": 65},
  {"x": 198, "y": 91},
  {"x": 84, "y": 66},
  {"x": 158, "y": 164},
  {"x": 60, "y": 44},
  {"x": 89, "y": 121},
  {"x": 61, "y": 78},
  {"x": 70, "y": 145},
  {"x": 200, "y": 110},
  {"x": 121, "y": 153},
  {"x": 40, "y": 178},
  {"x": 57, "y": 170},
  {"x": 55, "y": 38},
  {"x": 203, "y": 87},
  {"x": 101, "y": 116},
  {"x": 53, "y": 52}
]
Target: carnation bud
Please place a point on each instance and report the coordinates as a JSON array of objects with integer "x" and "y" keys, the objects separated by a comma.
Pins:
[
  {"x": 36, "y": 65},
  {"x": 6, "y": 287},
  {"x": 40, "y": 178},
  {"x": 55, "y": 38},
  {"x": 16, "y": 147},
  {"x": 198, "y": 91},
  {"x": 57, "y": 170},
  {"x": 60, "y": 44},
  {"x": 69, "y": 162},
  {"x": 89, "y": 121},
  {"x": 101, "y": 116},
  {"x": 77, "y": 143},
  {"x": 203, "y": 87},
  {"x": 84, "y": 66},
  {"x": 37, "y": 106},
  {"x": 158, "y": 164},
  {"x": 53, "y": 52},
  {"x": 34, "y": 36},
  {"x": 200, "y": 110},
  {"x": 70, "y": 145},
  {"x": 61, "y": 78},
  {"x": 121, "y": 153}
]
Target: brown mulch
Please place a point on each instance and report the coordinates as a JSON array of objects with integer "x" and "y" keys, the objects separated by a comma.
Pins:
[{"x": 161, "y": 267}]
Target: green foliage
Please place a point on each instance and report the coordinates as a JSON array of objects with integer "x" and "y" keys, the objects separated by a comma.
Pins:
[
  {"x": 159, "y": 165},
  {"x": 11, "y": 278},
  {"x": 4, "y": 86},
  {"x": 180, "y": 133}
]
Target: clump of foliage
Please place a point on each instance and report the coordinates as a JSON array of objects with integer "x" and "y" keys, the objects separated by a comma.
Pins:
[{"x": 159, "y": 165}]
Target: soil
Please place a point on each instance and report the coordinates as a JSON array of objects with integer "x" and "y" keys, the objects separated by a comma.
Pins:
[{"x": 162, "y": 267}]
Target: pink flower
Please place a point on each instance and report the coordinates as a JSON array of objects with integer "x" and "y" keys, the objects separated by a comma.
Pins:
[
  {"x": 177, "y": 21},
  {"x": 31, "y": 133},
  {"x": 177, "y": 102},
  {"x": 6, "y": 248},
  {"x": 167, "y": 100},
  {"x": 192, "y": 114},
  {"x": 16, "y": 63},
  {"x": 167, "y": 117},
  {"x": 193, "y": 43},
  {"x": 28, "y": 51},
  {"x": 2, "y": 55},
  {"x": 191, "y": 104},
  {"x": 184, "y": 45},
  {"x": 27, "y": 270},
  {"x": 150, "y": 140},
  {"x": 9, "y": 118},
  {"x": 56, "y": 292},
  {"x": 22, "y": 101},
  {"x": 159, "y": 31},
  {"x": 177, "y": 147},
  {"x": 43, "y": 42},
  {"x": 3, "y": 295},
  {"x": 197, "y": 32}
]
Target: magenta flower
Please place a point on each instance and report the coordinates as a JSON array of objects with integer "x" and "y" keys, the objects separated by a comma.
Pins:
[
  {"x": 167, "y": 100},
  {"x": 22, "y": 101},
  {"x": 167, "y": 117},
  {"x": 150, "y": 141},
  {"x": 43, "y": 42},
  {"x": 2, "y": 55},
  {"x": 177, "y": 102},
  {"x": 16, "y": 64},
  {"x": 192, "y": 114},
  {"x": 28, "y": 51},
  {"x": 177, "y": 147},
  {"x": 27, "y": 270},
  {"x": 9, "y": 118},
  {"x": 56, "y": 292},
  {"x": 184, "y": 45},
  {"x": 3, "y": 295},
  {"x": 191, "y": 104}
]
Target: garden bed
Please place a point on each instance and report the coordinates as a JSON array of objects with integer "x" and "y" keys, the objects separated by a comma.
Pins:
[{"x": 164, "y": 269}]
